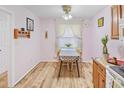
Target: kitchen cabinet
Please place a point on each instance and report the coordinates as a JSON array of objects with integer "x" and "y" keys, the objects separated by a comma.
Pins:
[
  {"x": 99, "y": 75},
  {"x": 121, "y": 11},
  {"x": 95, "y": 74},
  {"x": 101, "y": 81},
  {"x": 115, "y": 12},
  {"x": 121, "y": 21}
]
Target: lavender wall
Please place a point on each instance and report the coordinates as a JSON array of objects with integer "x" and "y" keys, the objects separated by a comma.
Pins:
[
  {"x": 48, "y": 45},
  {"x": 87, "y": 41},
  {"x": 28, "y": 52},
  {"x": 99, "y": 32}
]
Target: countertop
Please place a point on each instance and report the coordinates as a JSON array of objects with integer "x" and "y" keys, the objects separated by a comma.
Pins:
[
  {"x": 107, "y": 65},
  {"x": 103, "y": 62}
]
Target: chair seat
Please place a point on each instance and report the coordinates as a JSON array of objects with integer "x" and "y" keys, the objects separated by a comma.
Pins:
[{"x": 69, "y": 58}]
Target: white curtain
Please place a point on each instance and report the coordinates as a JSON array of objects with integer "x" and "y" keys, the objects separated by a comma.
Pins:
[
  {"x": 65, "y": 28},
  {"x": 68, "y": 34}
]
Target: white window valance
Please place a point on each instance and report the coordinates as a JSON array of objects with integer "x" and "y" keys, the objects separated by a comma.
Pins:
[
  {"x": 68, "y": 30},
  {"x": 68, "y": 34}
]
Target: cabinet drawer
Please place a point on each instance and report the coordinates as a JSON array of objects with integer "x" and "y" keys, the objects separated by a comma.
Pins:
[{"x": 101, "y": 69}]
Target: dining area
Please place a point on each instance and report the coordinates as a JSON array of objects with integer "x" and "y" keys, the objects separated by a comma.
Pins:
[
  {"x": 69, "y": 57},
  {"x": 69, "y": 46}
]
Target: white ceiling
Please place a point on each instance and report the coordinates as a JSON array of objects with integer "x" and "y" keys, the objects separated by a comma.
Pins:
[{"x": 55, "y": 11}]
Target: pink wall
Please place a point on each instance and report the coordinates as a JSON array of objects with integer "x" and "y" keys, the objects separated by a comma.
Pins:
[
  {"x": 91, "y": 37},
  {"x": 48, "y": 45},
  {"x": 99, "y": 32},
  {"x": 87, "y": 41},
  {"x": 28, "y": 52}
]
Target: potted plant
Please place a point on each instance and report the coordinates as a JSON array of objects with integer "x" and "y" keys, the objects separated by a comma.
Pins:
[
  {"x": 105, "y": 49},
  {"x": 68, "y": 45}
]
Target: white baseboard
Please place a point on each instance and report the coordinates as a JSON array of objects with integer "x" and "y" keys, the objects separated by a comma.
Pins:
[
  {"x": 49, "y": 61},
  {"x": 87, "y": 61},
  {"x": 3, "y": 74},
  {"x": 37, "y": 64},
  {"x": 25, "y": 74},
  {"x": 57, "y": 61},
  {"x": 31, "y": 69}
]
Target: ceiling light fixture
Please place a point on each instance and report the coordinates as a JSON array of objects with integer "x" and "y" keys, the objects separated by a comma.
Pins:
[{"x": 67, "y": 10}]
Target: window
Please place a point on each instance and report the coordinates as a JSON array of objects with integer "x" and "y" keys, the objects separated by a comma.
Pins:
[{"x": 68, "y": 36}]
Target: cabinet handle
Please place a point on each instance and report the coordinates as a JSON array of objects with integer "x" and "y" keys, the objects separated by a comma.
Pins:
[{"x": 103, "y": 80}]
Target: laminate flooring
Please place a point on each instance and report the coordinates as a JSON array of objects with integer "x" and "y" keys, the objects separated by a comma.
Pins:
[{"x": 45, "y": 75}]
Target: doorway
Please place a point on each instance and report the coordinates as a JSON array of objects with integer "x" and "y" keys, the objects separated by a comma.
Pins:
[{"x": 6, "y": 49}]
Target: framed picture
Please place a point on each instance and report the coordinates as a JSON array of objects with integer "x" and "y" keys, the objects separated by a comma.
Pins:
[
  {"x": 101, "y": 22},
  {"x": 29, "y": 24},
  {"x": 46, "y": 35}
]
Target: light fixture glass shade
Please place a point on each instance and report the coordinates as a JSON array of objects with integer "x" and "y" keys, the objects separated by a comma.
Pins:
[
  {"x": 67, "y": 16},
  {"x": 70, "y": 16}
]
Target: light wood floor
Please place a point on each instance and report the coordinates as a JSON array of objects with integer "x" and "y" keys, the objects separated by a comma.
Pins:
[
  {"x": 45, "y": 75},
  {"x": 3, "y": 80}
]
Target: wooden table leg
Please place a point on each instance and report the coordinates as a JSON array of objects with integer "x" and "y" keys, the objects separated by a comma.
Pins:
[
  {"x": 60, "y": 69},
  {"x": 70, "y": 66},
  {"x": 77, "y": 68}
]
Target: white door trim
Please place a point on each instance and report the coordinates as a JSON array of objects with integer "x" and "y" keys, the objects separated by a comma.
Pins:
[{"x": 11, "y": 62}]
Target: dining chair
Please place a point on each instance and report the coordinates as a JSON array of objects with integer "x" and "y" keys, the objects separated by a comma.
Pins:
[
  {"x": 58, "y": 58},
  {"x": 80, "y": 57}
]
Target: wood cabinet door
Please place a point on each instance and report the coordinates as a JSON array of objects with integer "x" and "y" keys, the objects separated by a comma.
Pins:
[
  {"x": 115, "y": 22},
  {"x": 95, "y": 74},
  {"x": 121, "y": 11},
  {"x": 101, "y": 81}
]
